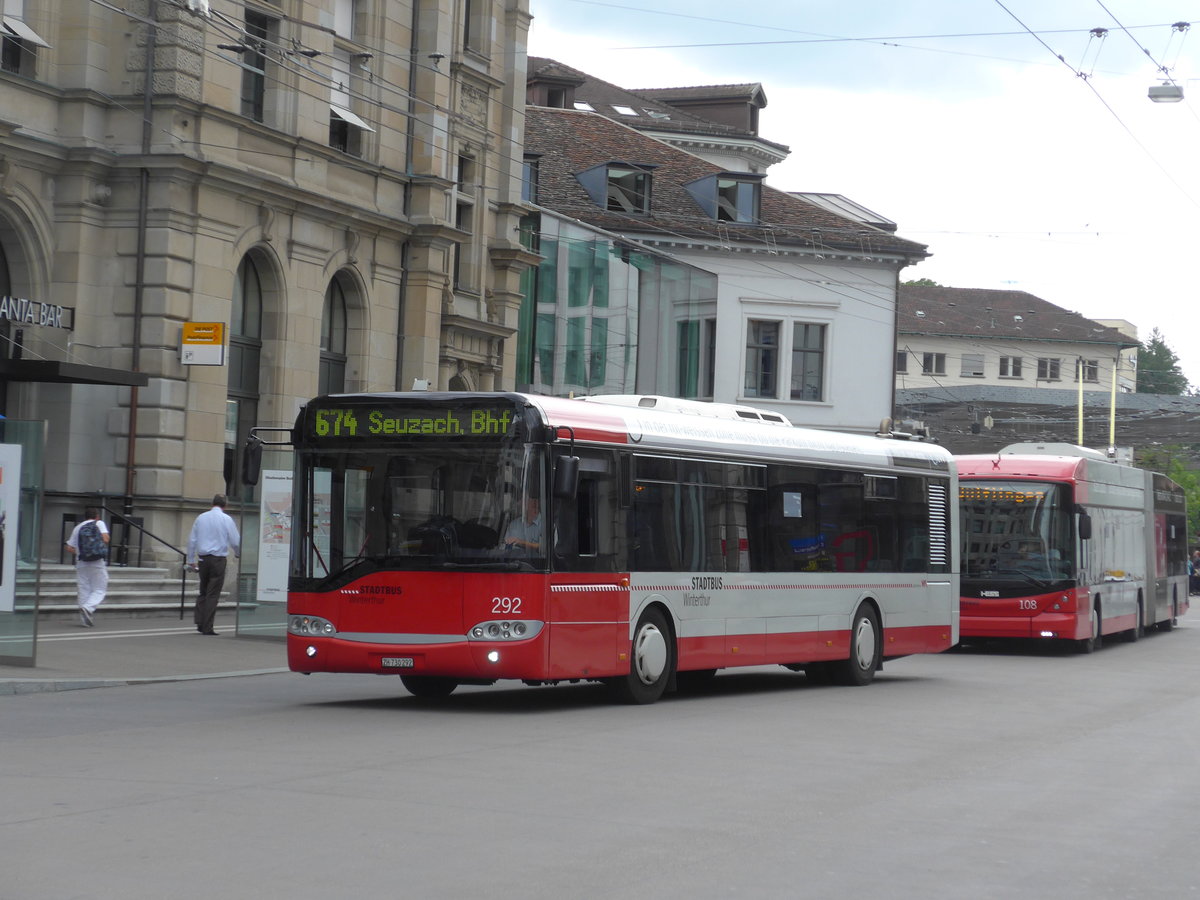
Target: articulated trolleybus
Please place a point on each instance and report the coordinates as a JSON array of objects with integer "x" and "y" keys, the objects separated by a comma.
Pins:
[
  {"x": 1060, "y": 543},
  {"x": 463, "y": 538}
]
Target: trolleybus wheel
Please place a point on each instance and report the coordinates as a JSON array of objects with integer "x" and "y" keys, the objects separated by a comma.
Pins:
[
  {"x": 1087, "y": 645},
  {"x": 859, "y": 668},
  {"x": 429, "y": 687},
  {"x": 652, "y": 658},
  {"x": 1169, "y": 623},
  {"x": 1136, "y": 631}
]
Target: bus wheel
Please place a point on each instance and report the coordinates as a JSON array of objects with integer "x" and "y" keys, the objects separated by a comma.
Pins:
[
  {"x": 859, "y": 668},
  {"x": 1134, "y": 633},
  {"x": 1169, "y": 623},
  {"x": 429, "y": 687},
  {"x": 1089, "y": 644},
  {"x": 653, "y": 658}
]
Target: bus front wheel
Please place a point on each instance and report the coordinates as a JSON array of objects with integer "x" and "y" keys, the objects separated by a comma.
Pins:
[
  {"x": 1087, "y": 645},
  {"x": 428, "y": 687},
  {"x": 652, "y": 659},
  {"x": 859, "y": 668}
]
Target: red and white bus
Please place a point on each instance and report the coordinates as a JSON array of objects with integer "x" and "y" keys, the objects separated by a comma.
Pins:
[
  {"x": 464, "y": 538},
  {"x": 1061, "y": 543}
]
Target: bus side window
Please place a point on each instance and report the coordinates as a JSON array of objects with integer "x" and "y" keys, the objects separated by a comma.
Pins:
[{"x": 590, "y": 526}]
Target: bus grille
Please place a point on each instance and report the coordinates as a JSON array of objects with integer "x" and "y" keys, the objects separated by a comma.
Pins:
[{"x": 939, "y": 521}]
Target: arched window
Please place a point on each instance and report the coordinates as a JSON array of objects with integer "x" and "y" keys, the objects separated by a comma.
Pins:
[
  {"x": 245, "y": 357},
  {"x": 332, "y": 375}
]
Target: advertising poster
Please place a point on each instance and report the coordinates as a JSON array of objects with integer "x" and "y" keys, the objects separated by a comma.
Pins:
[
  {"x": 275, "y": 537},
  {"x": 10, "y": 500}
]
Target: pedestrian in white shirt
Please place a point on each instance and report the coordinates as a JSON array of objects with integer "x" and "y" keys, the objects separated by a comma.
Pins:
[
  {"x": 88, "y": 543},
  {"x": 213, "y": 535}
]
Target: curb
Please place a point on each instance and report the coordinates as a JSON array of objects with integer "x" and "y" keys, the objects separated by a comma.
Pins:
[{"x": 11, "y": 686}]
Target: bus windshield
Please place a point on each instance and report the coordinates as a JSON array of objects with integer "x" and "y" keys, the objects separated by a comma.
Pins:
[
  {"x": 1016, "y": 531},
  {"x": 419, "y": 505}
]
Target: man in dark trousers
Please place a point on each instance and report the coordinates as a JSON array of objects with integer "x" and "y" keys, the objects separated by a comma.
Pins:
[{"x": 213, "y": 535}]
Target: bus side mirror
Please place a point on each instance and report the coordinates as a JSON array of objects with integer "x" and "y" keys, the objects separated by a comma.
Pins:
[
  {"x": 566, "y": 477},
  {"x": 1085, "y": 526},
  {"x": 252, "y": 460}
]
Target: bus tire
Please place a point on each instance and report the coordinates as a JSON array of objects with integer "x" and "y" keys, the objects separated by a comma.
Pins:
[
  {"x": 428, "y": 687},
  {"x": 1087, "y": 645},
  {"x": 865, "y": 645},
  {"x": 1134, "y": 633},
  {"x": 1169, "y": 623},
  {"x": 651, "y": 662}
]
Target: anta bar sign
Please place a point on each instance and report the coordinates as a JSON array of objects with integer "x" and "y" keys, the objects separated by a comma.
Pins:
[{"x": 33, "y": 312}]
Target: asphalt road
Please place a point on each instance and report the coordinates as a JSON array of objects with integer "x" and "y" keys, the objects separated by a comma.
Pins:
[{"x": 994, "y": 774}]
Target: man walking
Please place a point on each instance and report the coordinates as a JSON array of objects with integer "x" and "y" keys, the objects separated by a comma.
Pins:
[
  {"x": 88, "y": 543},
  {"x": 213, "y": 535}
]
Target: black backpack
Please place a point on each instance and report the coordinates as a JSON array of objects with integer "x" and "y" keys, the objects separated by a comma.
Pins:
[{"x": 91, "y": 543}]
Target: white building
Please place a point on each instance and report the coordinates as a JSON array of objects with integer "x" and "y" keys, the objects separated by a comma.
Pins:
[
  {"x": 951, "y": 337},
  {"x": 800, "y": 316}
]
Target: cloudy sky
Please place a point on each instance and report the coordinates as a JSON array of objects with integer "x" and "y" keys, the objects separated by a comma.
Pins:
[{"x": 1008, "y": 136}]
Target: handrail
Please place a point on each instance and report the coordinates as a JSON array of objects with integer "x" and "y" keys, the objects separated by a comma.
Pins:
[{"x": 128, "y": 521}]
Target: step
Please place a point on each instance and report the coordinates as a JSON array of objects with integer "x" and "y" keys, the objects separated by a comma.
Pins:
[{"x": 132, "y": 591}]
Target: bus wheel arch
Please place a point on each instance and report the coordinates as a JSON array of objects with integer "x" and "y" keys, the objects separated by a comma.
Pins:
[
  {"x": 866, "y": 647},
  {"x": 653, "y": 654}
]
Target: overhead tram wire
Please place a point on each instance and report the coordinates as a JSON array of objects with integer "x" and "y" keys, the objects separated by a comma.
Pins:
[{"x": 1092, "y": 87}]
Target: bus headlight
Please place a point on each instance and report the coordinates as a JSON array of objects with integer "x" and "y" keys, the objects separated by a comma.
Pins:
[
  {"x": 505, "y": 630},
  {"x": 310, "y": 626}
]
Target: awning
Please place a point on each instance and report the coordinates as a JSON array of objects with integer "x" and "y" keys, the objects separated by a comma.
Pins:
[
  {"x": 350, "y": 117},
  {"x": 53, "y": 372},
  {"x": 17, "y": 28}
]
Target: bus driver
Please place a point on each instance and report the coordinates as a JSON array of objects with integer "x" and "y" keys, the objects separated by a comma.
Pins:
[{"x": 526, "y": 533}]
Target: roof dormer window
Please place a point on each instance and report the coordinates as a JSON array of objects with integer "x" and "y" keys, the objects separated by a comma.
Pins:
[
  {"x": 618, "y": 186},
  {"x": 729, "y": 197},
  {"x": 625, "y": 110}
]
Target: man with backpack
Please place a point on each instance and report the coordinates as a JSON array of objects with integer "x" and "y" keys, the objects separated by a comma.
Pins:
[{"x": 89, "y": 544}]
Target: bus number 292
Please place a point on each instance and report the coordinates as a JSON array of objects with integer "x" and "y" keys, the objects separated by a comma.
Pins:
[{"x": 506, "y": 606}]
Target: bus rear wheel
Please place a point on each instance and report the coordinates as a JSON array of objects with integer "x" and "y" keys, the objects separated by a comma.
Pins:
[
  {"x": 859, "y": 668},
  {"x": 652, "y": 660},
  {"x": 428, "y": 687}
]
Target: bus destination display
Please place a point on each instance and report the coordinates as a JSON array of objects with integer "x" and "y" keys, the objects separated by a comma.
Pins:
[
  {"x": 976, "y": 493},
  {"x": 367, "y": 422}
]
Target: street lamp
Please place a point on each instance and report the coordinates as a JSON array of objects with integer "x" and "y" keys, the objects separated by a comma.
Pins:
[{"x": 1167, "y": 92}]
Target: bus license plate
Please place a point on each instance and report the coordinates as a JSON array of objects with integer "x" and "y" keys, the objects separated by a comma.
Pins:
[{"x": 397, "y": 662}]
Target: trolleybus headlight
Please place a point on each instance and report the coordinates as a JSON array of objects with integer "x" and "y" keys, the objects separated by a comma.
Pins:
[
  {"x": 505, "y": 630},
  {"x": 310, "y": 626},
  {"x": 494, "y": 656}
]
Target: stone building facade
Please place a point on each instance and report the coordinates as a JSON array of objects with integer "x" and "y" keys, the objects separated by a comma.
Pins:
[{"x": 336, "y": 183}]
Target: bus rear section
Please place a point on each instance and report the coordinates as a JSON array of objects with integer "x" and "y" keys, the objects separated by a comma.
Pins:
[{"x": 1060, "y": 543}]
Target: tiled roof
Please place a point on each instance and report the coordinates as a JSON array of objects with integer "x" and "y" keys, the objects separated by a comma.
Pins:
[
  {"x": 569, "y": 142},
  {"x": 982, "y": 313},
  {"x": 649, "y": 112}
]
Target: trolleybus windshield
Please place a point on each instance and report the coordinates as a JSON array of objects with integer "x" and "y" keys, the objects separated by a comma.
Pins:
[{"x": 1016, "y": 531}]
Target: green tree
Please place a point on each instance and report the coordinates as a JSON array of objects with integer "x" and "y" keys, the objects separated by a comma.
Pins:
[
  {"x": 922, "y": 282},
  {"x": 1158, "y": 368}
]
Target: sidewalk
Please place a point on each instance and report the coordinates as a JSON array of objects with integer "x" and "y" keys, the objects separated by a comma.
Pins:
[{"x": 121, "y": 651}]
